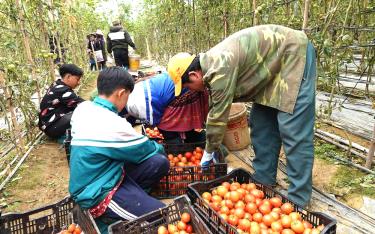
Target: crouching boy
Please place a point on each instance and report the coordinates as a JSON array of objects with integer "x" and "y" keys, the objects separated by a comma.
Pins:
[{"x": 111, "y": 164}]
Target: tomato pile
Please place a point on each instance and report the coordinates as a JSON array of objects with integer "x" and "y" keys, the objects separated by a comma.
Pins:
[
  {"x": 245, "y": 207},
  {"x": 183, "y": 226},
  {"x": 72, "y": 229},
  {"x": 188, "y": 159},
  {"x": 154, "y": 133}
]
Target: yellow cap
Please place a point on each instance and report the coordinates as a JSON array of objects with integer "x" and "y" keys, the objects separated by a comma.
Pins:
[{"x": 177, "y": 66}]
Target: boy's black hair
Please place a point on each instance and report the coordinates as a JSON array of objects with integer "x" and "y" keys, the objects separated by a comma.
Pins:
[
  {"x": 113, "y": 78},
  {"x": 194, "y": 66},
  {"x": 70, "y": 69}
]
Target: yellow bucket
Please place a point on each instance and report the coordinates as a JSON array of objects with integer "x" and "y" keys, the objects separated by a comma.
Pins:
[
  {"x": 134, "y": 62},
  {"x": 237, "y": 136}
]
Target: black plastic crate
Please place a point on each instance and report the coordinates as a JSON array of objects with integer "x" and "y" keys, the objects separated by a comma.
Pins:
[
  {"x": 49, "y": 219},
  {"x": 176, "y": 182},
  {"x": 219, "y": 226},
  {"x": 171, "y": 214}
]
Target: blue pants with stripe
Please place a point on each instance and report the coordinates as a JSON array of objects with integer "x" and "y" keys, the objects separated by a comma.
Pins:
[
  {"x": 131, "y": 200},
  {"x": 270, "y": 128}
]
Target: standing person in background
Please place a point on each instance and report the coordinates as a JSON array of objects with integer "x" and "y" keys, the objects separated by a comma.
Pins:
[
  {"x": 90, "y": 46},
  {"x": 118, "y": 41},
  {"x": 100, "y": 45}
]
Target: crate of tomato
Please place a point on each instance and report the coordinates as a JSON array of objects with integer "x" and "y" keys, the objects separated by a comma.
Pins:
[
  {"x": 177, "y": 217},
  {"x": 62, "y": 217},
  {"x": 152, "y": 133},
  {"x": 185, "y": 169},
  {"x": 236, "y": 203}
]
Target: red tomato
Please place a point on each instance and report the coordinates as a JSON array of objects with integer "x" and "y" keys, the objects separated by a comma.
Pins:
[
  {"x": 277, "y": 210},
  {"x": 244, "y": 224},
  {"x": 226, "y": 184},
  {"x": 233, "y": 220},
  {"x": 268, "y": 219},
  {"x": 189, "y": 228},
  {"x": 265, "y": 209},
  {"x": 170, "y": 157},
  {"x": 234, "y": 196},
  {"x": 295, "y": 216},
  {"x": 286, "y": 220},
  {"x": 240, "y": 204},
  {"x": 198, "y": 150},
  {"x": 71, "y": 228},
  {"x": 188, "y": 155},
  {"x": 185, "y": 217},
  {"x": 297, "y": 226},
  {"x": 251, "y": 208},
  {"x": 287, "y": 231},
  {"x": 307, "y": 224},
  {"x": 224, "y": 210},
  {"x": 287, "y": 208},
  {"x": 172, "y": 228},
  {"x": 224, "y": 216},
  {"x": 221, "y": 190},
  {"x": 239, "y": 212},
  {"x": 251, "y": 186},
  {"x": 181, "y": 226},
  {"x": 206, "y": 196},
  {"x": 216, "y": 198},
  {"x": 248, "y": 216},
  {"x": 257, "y": 193},
  {"x": 242, "y": 192},
  {"x": 275, "y": 215},
  {"x": 276, "y": 202},
  {"x": 215, "y": 206},
  {"x": 184, "y": 160},
  {"x": 249, "y": 198},
  {"x": 276, "y": 226},
  {"x": 258, "y": 217},
  {"x": 229, "y": 204}
]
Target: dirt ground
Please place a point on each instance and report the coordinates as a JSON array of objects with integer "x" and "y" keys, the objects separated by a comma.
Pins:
[{"x": 42, "y": 179}]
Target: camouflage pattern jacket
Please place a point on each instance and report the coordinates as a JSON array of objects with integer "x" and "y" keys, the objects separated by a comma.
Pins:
[{"x": 263, "y": 64}]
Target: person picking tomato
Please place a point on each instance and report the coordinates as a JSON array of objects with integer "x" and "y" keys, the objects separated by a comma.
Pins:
[
  {"x": 112, "y": 166},
  {"x": 275, "y": 68}
]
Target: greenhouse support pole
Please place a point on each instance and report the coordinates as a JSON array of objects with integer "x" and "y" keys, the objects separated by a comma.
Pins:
[
  {"x": 371, "y": 151},
  {"x": 305, "y": 15}
]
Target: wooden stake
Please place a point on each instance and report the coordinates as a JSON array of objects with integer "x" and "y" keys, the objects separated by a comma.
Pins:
[
  {"x": 305, "y": 15},
  {"x": 370, "y": 155}
]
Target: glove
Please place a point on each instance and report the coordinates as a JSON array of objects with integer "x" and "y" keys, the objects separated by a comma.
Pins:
[{"x": 208, "y": 158}]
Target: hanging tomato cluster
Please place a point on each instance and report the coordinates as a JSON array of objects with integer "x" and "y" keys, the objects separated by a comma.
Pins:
[
  {"x": 183, "y": 226},
  {"x": 246, "y": 208}
]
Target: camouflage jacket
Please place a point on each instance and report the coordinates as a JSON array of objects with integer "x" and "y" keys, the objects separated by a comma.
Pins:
[{"x": 263, "y": 64}]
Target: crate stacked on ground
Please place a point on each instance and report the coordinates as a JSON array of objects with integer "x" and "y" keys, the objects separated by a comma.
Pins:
[
  {"x": 49, "y": 219},
  {"x": 179, "y": 177},
  {"x": 236, "y": 203},
  {"x": 178, "y": 215}
]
